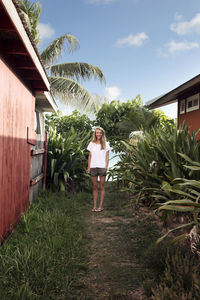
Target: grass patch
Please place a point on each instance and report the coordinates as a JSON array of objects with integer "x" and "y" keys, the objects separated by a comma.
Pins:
[
  {"x": 45, "y": 255},
  {"x": 164, "y": 272},
  {"x": 60, "y": 250}
]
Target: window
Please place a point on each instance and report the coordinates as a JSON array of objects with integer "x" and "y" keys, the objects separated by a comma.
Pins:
[
  {"x": 182, "y": 107},
  {"x": 192, "y": 103}
]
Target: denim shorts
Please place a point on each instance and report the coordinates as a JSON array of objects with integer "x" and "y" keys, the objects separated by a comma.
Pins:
[{"x": 97, "y": 172}]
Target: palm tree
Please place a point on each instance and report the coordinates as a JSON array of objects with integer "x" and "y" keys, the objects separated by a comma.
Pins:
[
  {"x": 31, "y": 13},
  {"x": 65, "y": 77}
]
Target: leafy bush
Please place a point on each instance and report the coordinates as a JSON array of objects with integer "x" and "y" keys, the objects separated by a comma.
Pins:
[
  {"x": 67, "y": 155},
  {"x": 154, "y": 159},
  {"x": 155, "y": 167},
  {"x": 188, "y": 193},
  {"x": 120, "y": 119},
  {"x": 64, "y": 123},
  {"x": 67, "y": 160}
]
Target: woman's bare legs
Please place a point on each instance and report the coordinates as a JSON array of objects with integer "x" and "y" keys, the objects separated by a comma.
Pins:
[
  {"x": 95, "y": 190},
  {"x": 102, "y": 191}
]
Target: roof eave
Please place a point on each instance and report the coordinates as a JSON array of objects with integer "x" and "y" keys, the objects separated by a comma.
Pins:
[
  {"x": 173, "y": 95},
  {"x": 14, "y": 17},
  {"x": 45, "y": 102}
]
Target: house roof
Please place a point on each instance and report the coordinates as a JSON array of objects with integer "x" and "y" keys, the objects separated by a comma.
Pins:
[
  {"x": 172, "y": 96},
  {"x": 45, "y": 102},
  {"x": 19, "y": 50}
]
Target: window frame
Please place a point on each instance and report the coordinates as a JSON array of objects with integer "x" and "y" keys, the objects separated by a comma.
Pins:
[
  {"x": 182, "y": 103},
  {"x": 192, "y": 98}
]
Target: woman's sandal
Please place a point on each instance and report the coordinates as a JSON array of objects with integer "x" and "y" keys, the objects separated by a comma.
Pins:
[
  {"x": 99, "y": 209},
  {"x": 94, "y": 210}
]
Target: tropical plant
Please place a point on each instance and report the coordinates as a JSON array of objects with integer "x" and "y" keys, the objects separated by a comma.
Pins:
[
  {"x": 155, "y": 167},
  {"x": 188, "y": 192},
  {"x": 31, "y": 12},
  {"x": 120, "y": 119},
  {"x": 80, "y": 122},
  {"x": 144, "y": 119},
  {"x": 154, "y": 159},
  {"x": 67, "y": 160},
  {"x": 64, "y": 77}
]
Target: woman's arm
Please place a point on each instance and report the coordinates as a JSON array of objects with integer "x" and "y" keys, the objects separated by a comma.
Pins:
[
  {"x": 89, "y": 160},
  {"x": 107, "y": 160}
]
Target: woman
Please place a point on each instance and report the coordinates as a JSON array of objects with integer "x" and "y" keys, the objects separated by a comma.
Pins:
[{"x": 98, "y": 165}]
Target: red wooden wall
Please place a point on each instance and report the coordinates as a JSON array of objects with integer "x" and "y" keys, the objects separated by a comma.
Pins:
[
  {"x": 17, "y": 106},
  {"x": 191, "y": 118}
]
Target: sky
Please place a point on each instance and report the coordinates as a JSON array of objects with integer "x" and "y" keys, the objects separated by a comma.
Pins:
[{"x": 145, "y": 47}]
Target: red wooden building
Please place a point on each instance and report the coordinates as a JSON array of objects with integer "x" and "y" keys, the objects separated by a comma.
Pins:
[
  {"x": 187, "y": 97},
  {"x": 24, "y": 97}
]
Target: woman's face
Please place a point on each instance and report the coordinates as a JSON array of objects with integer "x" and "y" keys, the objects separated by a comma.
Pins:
[{"x": 99, "y": 134}]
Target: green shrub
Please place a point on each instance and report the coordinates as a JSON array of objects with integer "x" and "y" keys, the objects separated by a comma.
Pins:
[{"x": 67, "y": 160}]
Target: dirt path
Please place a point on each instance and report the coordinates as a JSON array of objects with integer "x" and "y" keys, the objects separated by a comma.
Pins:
[{"x": 114, "y": 271}]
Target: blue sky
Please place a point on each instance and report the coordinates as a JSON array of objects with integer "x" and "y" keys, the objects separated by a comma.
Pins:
[{"x": 145, "y": 47}]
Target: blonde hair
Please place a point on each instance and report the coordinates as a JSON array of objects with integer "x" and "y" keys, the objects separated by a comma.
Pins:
[{"x": 103, "y": 138}]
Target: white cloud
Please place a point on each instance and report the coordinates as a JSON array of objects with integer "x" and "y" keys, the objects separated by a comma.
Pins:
[
  {"x": 174, "y": 47},
  {"x": 100, "y": 1},
  {"x": 112, "y": 92},
  {"x": 136, "y": 40},
  {"x": 45, "y": 31},
  {"x": 187, "y": 27}
]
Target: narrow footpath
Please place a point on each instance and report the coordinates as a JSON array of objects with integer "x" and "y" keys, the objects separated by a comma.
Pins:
[{"x": 117, "y": 239}]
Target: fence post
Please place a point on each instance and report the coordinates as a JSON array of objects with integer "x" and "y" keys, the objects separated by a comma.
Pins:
[{"x": 45, "y": 160}]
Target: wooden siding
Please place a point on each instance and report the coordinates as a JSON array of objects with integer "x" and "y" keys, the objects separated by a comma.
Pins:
[
  {"x": 191, "y": 118},
  {"x": 17, "y": 106}
]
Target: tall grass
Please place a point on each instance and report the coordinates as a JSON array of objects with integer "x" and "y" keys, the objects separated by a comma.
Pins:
[
  {"x": 180, "y": 279},
  {"x": 45, "y": 255}
]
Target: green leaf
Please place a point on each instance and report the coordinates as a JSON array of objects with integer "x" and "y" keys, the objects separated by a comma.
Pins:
[
  {"x": 172, "y": 230},
  {"x": 179, "y": 238},
  {"x": 194, "y": 168},
  {"x": 77, "y": 71},
  {"x": 54, "y": 50},
  {"x": 176, "y": 208},
  {"x": 189, "y": 159},
  {"x": 194, "y": 183},
  {"x": 182, "y": 202}
]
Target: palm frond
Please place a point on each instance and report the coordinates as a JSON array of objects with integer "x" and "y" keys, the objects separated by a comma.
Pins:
[
  {"x": 31, "y": 12},
  {"x": 53, "y": 52},
  {"x": 71, "y": 92},
  {"x": 77, "y": 71}
]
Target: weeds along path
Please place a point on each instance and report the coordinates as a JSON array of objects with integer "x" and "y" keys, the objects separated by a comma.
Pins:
[{"x": 117, "y": 237}]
